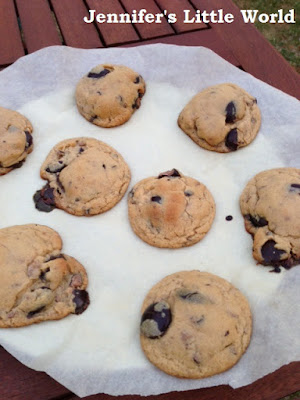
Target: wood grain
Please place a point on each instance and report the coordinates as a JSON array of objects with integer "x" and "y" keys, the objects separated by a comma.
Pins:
[
  {"x": 11, "y": 47},
  {"x": 113, "y": 33},
  {"x": 75, "y": 31},
  {"x": 254, "y": 52},
  {"x": 38, "y": 24}
]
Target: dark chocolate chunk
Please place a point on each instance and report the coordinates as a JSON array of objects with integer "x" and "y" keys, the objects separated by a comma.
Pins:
[
  {"x": 44, "y": 199},
  {"x": 43, "y": 274},
  {"x": 60, "y": 185},
  {"x": 229, "y": 218},
  {"x": 173, "y": 173},
  {"x": 93, "y": 117},
  {"x": 257, "y": 221},
  {"x": 32, "y": 313},
  {"x": 276, "y": 269},
  {"x": 295, "y": 187},
  {"x": 156, "y": 320},
  {"x": 232, "y": 140},
  {"x": 137, "y": 80},
  {"x": 188, "y": 193},
  {"x": 270, "y": 254},
  {"x": 103, "y": 166},
  {"x": 55, "y": 169},
  {"x": 156, "y": 199},
  {"x": 98, "y": 75},
  {"x": 17, "y": 165},
  {"x": 81, "y": 150},
  {"x": 55, "y": 257},
  {"x": 192, "y": 297},
  {"x": 230, "y": 113},
  {"x": 28, "y": 140},
  {"x": 81, "y": 300}
]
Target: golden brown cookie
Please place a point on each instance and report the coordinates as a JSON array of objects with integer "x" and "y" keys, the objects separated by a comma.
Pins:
[
  {"x": 221, "y": 118},
  {"x": 270, "y": 204},
  {"x": 38, "y": 282},
  {"x": 109, "y": 94},
  {"x": 171, "y": 210},
  {"x": 86, "y": 177},
  {"x": 194, "y": 325},
  {"x": 15, "y": 140}
]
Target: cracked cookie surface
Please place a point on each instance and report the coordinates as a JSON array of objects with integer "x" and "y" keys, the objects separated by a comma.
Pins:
[
  {"x": 221, "y": 118},
  {"x": 270, "y": 204},
  {"x": 109, "y": 94},
  {"x": 171, "y": 210},
  {"x": 15, "y": 139},
  {"x": 86, "y": 177},
  {"x": 195, "y": 324},
  {"x": 38, "y": 282}
]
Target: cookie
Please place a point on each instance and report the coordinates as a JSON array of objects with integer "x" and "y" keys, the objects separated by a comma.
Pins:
[
  {"x": 109, "y": 94},
  {"x": 38, "y": 282},
  {"x": 195, "y": 325},
  {"x": 15, "y": 139},
  {"x": 171, "y": 210},
  {"x": 85, "y": 177},
  {"x": 270, "y": 204},
  {"x": 221, "y": 118}
]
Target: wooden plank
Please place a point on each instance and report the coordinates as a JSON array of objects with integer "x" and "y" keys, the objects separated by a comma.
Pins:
[
  {"x": 37, "y": 24},
  {"x": 11, "y": 47},
  {"x": 254, "y": 52},
  {"x": 177, "y": 7},
  {"x": 19, "y": 382},
  {"x": 113, "y": 33},
  {"x": 148, "y": 30},
  {"x": 76, "y": 32},
  {"x": 206, "y": 37}
]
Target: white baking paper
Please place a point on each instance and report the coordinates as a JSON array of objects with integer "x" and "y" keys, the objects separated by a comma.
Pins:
[{"x": 99, "y": 351}]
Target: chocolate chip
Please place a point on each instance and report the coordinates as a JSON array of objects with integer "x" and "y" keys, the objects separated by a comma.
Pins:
[
  {"x": 53, "y": 169},
  {"x": 43, "y": 274},
  {"x": 81, "y": 150},
  {"x": 28, "y": 140},
  {"x": 232, "y": 140},
  {"x": 44, "y": 199},
  {"x": 156, "y": 199},
  {"x": 156, "y": 320},
  {"x": 257, "y": 221},
  {"x": 192, "y": 297},
  {"x": 32, "y": 313},
  {"x": 60, "y": 185},
  {"x": 295, "y": 187},
  {"x": 188, "y": 193},
  {"x": 230, "y": 113},
  {"x": 98, "y": 75},
  {"x": 131, "y": 193},
  {"x": 270, "y": 254},
  {"x": 173, "y": 173},
  {"x": 137, "y": 80},
  {"x": 93, "y": 118},
  {"x": 81, "y": 300},
  {"x": 229, "y": 218},
  {"x": 100, "y": 94},
  {"x": 51, "y": 258},
  {"x": 104, "y": 166},
  {"x": 226, "y": 333}
]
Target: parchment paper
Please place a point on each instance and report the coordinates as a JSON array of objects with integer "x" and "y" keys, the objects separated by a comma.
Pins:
[{"x": 99, "y": 350}]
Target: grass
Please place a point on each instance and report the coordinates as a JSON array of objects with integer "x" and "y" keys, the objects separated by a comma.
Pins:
[{"x": 284, "y": 37}]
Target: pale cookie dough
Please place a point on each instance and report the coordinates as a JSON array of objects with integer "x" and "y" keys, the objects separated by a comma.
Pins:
[
  {"x": 38, "y": 282},
  {"x": 221, "y": 118},
  {"x": 15, "y": 140},
  {"x": 171, "y": 210},
  {"x": 86, "y": 177},
  {"x": 194, "y": 325},
  {"x": 109, "y": 94},
  {"x": 270, "y": 204}
]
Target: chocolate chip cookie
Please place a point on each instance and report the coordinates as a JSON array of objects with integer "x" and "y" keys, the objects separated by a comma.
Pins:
[
  {"x": 109, "y": 94},
  {"x": 171, "y": 210},
  {"x": 38, "y": 282},
  {"x": 85, "y": 177},
  {"x": 15, "y": 139},
  {"x": 221, "y": 118},
  {"x": 194, "y": 325},
  {"x": 270, "y": 204}
]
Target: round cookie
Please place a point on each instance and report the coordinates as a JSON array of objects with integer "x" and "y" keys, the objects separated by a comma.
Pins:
[
  {"x": 38, "y": 282},
  {"x": 109, "y": 94},
  {"x": 194, "y": 325},
  {"x": 86, "y": 177},
  {"x": 270, "y": 204},
  {"x": 221, "y": 118},
  {"x": 15, "y": 139},
  {"x": 171, "y": 210}
]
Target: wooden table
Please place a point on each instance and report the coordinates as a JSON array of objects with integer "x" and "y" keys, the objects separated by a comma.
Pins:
[{"x": 29, "y": 25}]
